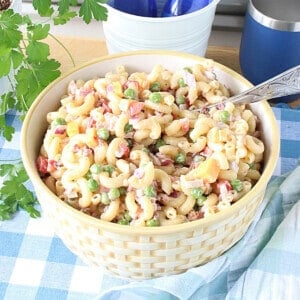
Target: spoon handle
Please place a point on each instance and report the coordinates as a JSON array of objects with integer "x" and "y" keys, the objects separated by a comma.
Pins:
[{"x": 284, "y": 84}]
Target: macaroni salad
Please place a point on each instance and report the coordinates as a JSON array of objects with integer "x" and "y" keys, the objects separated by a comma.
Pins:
[{"x": 130, "y": 149}]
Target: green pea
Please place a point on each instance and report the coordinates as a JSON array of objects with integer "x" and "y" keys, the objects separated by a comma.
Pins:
[
  {"x": 58, "y": 121},
  {"x": 104, "y": 198},
  {"x": 114, "y": 193},
  {"x": 155, "y": 87},
  {"x": 180, "y": 158},
  {"x": 180, "y": 100},
  {"x": 93, "y": 185},
  {"x": 130, "y": 93},
  {"x": 196, "y": 193},
  {"x": 127, "y": 216},
  {"x": 188, "y": 70},
  {"x": 103, "y": 133},
  {"x": 95, "y": 168},
  {"x": 181, "y": 82},
  {"x": 152, "y": 223},
  {"x": 237, "y": 185},
  {"x": 125, "y": 219},
  {"x": 128, "y": 127},
  {"x": 159, "y": 143},
  {"x": 201, "y": 200},
  {"x": 155, "y": 97},
  {"x": 108, "y": 168},
  {"x": 150, "y": 191},
  {"x": 123, "y": 222},
  {"x": 224, "y": 116}
]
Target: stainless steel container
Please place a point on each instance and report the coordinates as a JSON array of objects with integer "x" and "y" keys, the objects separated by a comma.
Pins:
[{"x": 270, "y": 41}]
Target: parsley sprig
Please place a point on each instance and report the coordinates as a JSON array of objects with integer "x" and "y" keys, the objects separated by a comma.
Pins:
[
  {"x": 25, "y": 60},
  {"x": 14, "y": 195},
  {"x": 28, "y": 57},
  {"x": 66, "y": 10},
  {"x": 24, "y": 52}
]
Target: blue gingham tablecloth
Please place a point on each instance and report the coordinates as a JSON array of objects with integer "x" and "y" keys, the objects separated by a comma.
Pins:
[{"x": 265, "y": 264}]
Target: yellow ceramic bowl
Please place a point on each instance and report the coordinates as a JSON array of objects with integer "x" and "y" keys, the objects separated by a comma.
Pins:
[{"x": 147, "y": 252}]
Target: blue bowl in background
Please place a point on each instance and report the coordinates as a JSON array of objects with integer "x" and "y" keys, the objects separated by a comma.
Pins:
[{"x": 270, "y": 41}]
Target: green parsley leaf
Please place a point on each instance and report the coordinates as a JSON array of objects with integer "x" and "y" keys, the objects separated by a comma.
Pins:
[
  {"x": 39, "y": 31},
  {"x": 5, "y": 61},
  {"x": 7, "y": 102},
  {"x": 6, "y": 130},
  {"x": 10, "y": 35},
  {"x": 6, "y": 169},
  {"x": 63, "y": 6},
  {"x": 93, "y": 9},
  {"x": 46, "y": 71},
  {"x": 13, "y": 194},
  {"x": 43, "y": 7},
  {"x": 64, "y": 18},
  {"x": 17, "y": 58},
  {"x": 37, "y": 51},
  {"x": 30, "y": 82}
]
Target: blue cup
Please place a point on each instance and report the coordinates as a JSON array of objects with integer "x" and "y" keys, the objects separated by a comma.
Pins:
[
  {"x": 144, "y": 8},
  {"x": 181, "y": 7},
  {"x": 270, "y": 41}
]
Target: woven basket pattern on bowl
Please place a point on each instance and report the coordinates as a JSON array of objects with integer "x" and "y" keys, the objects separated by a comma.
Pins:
[
  {"x": 144, "y": 256},
  {"x": 136, "y": 252}
]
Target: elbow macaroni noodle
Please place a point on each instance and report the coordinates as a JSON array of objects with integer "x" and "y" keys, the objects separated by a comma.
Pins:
[{"x": 129, "y": 149}]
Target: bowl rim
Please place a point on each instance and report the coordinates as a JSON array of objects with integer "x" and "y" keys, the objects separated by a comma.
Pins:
[
  {"x": 160, "y": 230},
  {"x": 152, "y": 20}
]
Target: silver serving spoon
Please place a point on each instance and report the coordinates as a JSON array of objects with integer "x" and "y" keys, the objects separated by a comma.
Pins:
[{"x": 283, "y": 84}]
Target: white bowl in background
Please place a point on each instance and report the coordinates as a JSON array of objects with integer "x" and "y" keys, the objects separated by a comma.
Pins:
[{"x": 186, "y": 33}]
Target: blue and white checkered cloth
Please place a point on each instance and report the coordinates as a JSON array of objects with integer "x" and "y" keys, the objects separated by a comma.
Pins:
[{"x": 264, "y": 264}]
